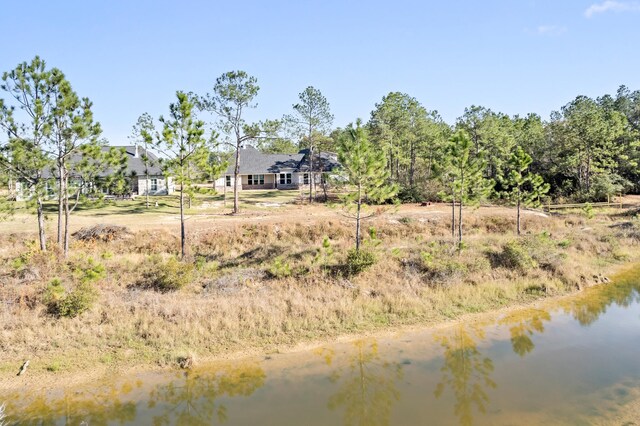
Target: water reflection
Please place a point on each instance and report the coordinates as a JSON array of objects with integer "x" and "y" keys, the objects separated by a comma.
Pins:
[
  {"x": 587, "y": 307},
  {"x": 522, "y": 326},
  {"x": 102, "y": 405},
  {"x": 367, "y": 386},
  {"x": 192, "y": 399},
  {"x": 466, "y": 371}
]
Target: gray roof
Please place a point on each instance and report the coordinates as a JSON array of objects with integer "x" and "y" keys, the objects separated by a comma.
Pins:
[
  {"x": 135, "y": 164},
  {"x": 253, "y": 161}
]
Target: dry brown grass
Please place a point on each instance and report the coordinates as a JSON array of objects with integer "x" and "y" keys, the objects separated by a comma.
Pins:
[{"x": 233, "y": 303}]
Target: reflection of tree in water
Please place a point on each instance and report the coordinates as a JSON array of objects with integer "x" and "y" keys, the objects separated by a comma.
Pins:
[
  {"x": 367, "y": 386},
  {"x": 522, "y": 325},
  {"x": 466, "y": 371},
  {"x": 191, "y": 400},
  {"x": 101, "y": 405},
  {"x": 587, "y": 307}
]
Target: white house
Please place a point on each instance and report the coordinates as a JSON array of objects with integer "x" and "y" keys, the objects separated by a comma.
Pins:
[{"x": 159, "y": 183}]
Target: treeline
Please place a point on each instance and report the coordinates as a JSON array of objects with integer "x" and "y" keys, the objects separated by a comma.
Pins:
[{"x": 586, "y": 151}]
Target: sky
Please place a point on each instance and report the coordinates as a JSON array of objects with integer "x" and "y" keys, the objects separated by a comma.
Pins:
[{"x": 513, "y": 56}]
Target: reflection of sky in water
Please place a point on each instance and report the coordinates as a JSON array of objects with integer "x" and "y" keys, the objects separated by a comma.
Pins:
[{"x": 538, "y": 365}]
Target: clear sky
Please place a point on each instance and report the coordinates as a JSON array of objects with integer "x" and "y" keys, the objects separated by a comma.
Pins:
[{"x": 514, "y": 56}]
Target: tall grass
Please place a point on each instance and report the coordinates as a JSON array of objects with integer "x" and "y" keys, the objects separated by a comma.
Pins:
[{"x": 265, "y": 286}]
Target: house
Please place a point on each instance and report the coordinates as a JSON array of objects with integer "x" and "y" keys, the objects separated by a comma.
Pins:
[
  {"x": 134, "y": 172},
  {"x": 259, "y": 170},
  {"x": 159, "y": 183}
]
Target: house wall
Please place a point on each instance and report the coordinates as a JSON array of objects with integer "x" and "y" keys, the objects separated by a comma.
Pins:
[
  {"x": 271, "y": 181},
  {"x": 164, "y": 187}
]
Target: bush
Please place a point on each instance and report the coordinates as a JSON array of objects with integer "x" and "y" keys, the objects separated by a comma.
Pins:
[
  {"x": 166, "y": 276},
  {"x": 410, "y": 194},
  {"x": 90, "y": 271},
  {"x": 440, "y": 265},
  {"x": 359, "y": 260},
  {"x": 279, "y": 268},
  {"x": 71, "y": 304},
  {"x": 515, "y": 256}
]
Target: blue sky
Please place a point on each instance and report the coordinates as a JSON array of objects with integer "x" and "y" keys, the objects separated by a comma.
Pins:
[{"x": 514, "y": 56}]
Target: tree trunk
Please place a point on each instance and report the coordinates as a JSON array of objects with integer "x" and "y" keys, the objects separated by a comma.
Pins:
[
  {"x": 518, "y": 215},
  {"x": 412, "y": 164},
  {"x": 453, "y": 215},
  {"x": 311, "y": 179},
  {"x": 146, "y": 177},
  {"x": 66, "y": 223},
  {"x": 236, "y": 182},
  {"x": 189, "y": 178},
  {"x": 61, "y": 198},
  {"x": 358, "y": 226},
  {"x": 41, "y": 230},
  {"x": 182, "y": 233},
  {"x": 460, "y": 224}
]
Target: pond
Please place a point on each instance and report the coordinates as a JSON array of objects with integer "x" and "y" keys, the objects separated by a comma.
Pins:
[{"x": 569, "y": 361}]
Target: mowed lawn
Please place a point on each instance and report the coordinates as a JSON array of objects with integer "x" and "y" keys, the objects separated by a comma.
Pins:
[{"x": 163, "y": 210}]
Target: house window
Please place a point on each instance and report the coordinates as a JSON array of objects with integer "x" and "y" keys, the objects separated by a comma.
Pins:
[
  {"x": 255, "y": 179},
  {"x": 285, "y": 178},
  {"x": 228, "y": 181},
  {"x": 154, "y": 184},
  {"x": 306, "y": 178}
]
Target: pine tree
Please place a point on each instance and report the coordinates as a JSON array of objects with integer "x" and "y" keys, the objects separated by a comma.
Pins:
[
  {"x": 183, "y": 143},
  {"x": 26, "y": 119},
  {"x": 464, "y": 168},
  {"x": 523, "y": 186},
  {"x": 364, "y": 173},
  {"x": 311, "y": 122}
]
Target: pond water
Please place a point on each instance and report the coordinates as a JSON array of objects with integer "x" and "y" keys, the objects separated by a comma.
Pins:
[{"x": 571, "y": 361}]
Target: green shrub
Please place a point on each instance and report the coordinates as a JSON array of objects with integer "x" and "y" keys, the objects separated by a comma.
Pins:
[
  {"x": 90, "y": 271},
  {"x": 515, "y": 256},
  {"x": 439, "y": 265},
  {"x": 69, "y": 304},
  {"x": 410, "y": 194},
  {"x": 359, "y": 260},
  {"x": 165, "y": 276},
  {"x": 279, "y": 268}
]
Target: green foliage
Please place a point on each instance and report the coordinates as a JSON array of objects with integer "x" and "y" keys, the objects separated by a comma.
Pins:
[
  {"x": 70, "y": 304},
  {"x": 279, "y": 268},
  {"x": 410, "y": 195},
  {"x": 520, "y": 185},
  {"x": 439, "y": 264},
  {"x": 587, "y": 209},
  {"x": 461, "y": 173},
  {"x": 364, "y": 174},
  {"x": 515, "y": 256},
  {"x": 359, "y": 260},
  {"x": 90, "y": 271},
  {"x": 165, "y": 276},
  {"x": 530, "y": 252},
  {"x": 411, "y": 139},
  {"x": 325, "y": 254},
  {"x": 607, "y": 185}
]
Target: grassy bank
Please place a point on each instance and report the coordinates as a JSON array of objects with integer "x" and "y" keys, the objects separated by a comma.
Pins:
[{"x": 262, "y": 286}]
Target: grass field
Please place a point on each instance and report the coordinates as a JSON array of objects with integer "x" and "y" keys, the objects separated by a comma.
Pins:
[{"x": 264, "y": 280}]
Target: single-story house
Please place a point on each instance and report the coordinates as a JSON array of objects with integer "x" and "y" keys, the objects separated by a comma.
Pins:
[
  {"x": 259, "y": 170},
  {"x": 159, "y": 183}
]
